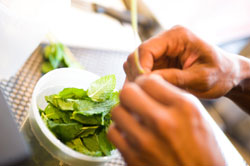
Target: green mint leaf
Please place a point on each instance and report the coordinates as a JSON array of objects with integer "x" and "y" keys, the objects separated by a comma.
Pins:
[
  {"x": 101, "y": 89},
  {"x": 62, "y": 104},
  {"x": 87, "y": 120},
  {"x": 105, "y": 146},
  {"x": 77, "y": 145},
  {"x": 88, "y": 108},
  {"x": 53, "y": 113},
  {"x": 54, "y": 61},
  {"x": 92, "y": 113},
  {"x": 51, "y": 99},
  {"x": 106, "y": 119},
  {"x": 54, "y": 53},
  {"x": 65, "y": 132},
  {"x": 57, "y": 56},
  {"x": 88, "y": 130},
  {"x": 46, "y": 67},
  {"x": 40, "y": 111},
  {"x": 88, "y": 112},
  {"x": 44, "y": 118},
  {"x": 73, "y": 93},
  {"x": 65, "y": 104},
  {"x": 59, "y": 53},
  {"x": 48, "y": 51},
  {"x": 84, "y": 105},
  {"x": 70, "y": 60},
  {"x": 114, "y": 98},
  {"x": 91, "y": 143}
]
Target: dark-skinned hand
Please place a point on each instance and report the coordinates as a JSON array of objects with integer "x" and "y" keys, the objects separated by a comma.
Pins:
[
  {"x": 188, "y": 62},
  {"x": 157, "y": 124}
]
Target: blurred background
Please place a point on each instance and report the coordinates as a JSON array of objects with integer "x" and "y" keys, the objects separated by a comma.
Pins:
[{"x": 105, "y": 25}]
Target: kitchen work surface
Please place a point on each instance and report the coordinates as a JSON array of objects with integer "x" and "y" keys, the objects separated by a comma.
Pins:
[{"x": 18, "y": 91}]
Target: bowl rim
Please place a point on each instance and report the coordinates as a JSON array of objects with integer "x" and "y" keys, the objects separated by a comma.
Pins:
[{"x": 48, "y": 134}]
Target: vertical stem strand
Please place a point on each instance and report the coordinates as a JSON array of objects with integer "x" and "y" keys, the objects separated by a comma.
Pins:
[{"x": 135, "y": 29}]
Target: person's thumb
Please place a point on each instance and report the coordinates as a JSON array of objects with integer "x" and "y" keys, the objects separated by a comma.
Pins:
[{"x": 180, "y": 78}]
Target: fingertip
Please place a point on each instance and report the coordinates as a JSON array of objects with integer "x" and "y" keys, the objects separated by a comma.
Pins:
[
  {"x": 175, "y": 77},
  {"x": 125, "y": 66},
  {"x": 149, "y": 82},
  {"x": 130, "y": 58},
  {"x": 144, "y": 79},
  {"x": 111, "y": 127},
  {"x": 114, "y": 136},
  {"x": 113, "y": 112},
  {"x": 160, "y": 80},
  {"x": 157, "y": 73},
  {"x": 155, "y": 76},
  {"x": 111, "y": 131},
  {"x": 140, "y": 79},
  {"x": 127, "y": 70},
  {"x": 124, "y": 92},
  {"x": 127, "y": 89}
]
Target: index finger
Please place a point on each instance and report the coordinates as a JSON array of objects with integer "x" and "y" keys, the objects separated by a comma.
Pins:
[
  {"x": 160, "y": 90},
  {"x": 171, "y": 43},
  {"x": 139, "y": 103},
  {"x": 148, "y": 52}
]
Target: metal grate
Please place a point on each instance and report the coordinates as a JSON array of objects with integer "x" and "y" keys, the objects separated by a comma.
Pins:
[{"x": 18, "y": 89}]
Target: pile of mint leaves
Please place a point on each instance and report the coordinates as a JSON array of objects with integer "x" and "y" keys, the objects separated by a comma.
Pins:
[
  {"x": 57, "y": 55},
  {"x": 80, "y": 118}
]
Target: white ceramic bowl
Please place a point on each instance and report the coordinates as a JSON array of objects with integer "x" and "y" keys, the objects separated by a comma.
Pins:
[{"x": 51, "y": 83}]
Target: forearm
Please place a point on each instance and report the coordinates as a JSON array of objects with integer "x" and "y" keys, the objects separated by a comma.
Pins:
[{"x": 240, "y": 93}]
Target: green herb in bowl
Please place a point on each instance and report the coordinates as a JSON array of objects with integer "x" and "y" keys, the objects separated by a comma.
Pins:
[{"x": 80, "y": 118}]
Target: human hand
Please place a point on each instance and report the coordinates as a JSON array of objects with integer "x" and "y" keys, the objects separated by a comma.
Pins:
[
  {"x": 188, "y": 62},
  {"x": 159, "y": 124}
]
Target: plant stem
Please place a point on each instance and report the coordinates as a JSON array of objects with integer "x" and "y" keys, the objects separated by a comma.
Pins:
[{"x": 135, "y": 29}]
